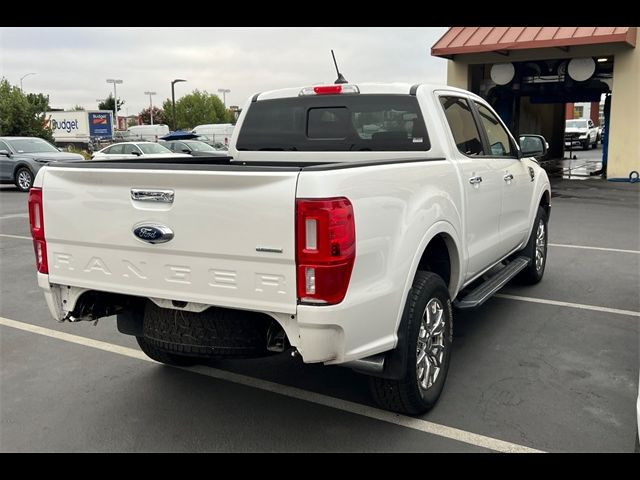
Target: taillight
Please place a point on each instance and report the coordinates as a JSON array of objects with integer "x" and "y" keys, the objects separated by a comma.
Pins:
[
  {"x": 36, "y": 222},
  {"x": 325, "y": 249}
]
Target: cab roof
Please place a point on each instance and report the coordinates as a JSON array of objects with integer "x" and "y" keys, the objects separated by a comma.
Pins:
[{"x": 364, "y": 88}]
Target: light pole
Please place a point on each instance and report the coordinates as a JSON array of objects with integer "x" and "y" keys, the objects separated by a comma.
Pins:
[
  {"x": 115, "y": 96},
  {"x": 23, "y": 77},
  {"x": 150, "y": 104},
  {"x": 173, "y": 100},
  {"x": 224, "y": 92}
]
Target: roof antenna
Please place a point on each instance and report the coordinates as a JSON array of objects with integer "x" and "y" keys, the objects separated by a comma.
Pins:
[{"x": 340, "y": 78}]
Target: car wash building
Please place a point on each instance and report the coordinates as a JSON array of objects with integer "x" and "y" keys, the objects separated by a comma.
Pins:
[{"x": 531, "y": 75}]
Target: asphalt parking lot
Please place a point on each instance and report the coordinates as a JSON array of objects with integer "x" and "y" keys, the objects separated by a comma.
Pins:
[{"x": 552, "y": 367}]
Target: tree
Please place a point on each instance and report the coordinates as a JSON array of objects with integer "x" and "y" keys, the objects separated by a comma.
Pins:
[
  {"x": 107, "y": 104},
  {"x": 22, "y": 115},
  {"x": 39, "y": 101},
  {"x": 78, "y": 108},
  {"x": 197, "y": 108},
  {"x": 158, "y": 116}
]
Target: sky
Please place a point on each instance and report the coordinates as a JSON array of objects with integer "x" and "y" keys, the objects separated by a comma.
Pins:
[{"x": 71, "y": 65}]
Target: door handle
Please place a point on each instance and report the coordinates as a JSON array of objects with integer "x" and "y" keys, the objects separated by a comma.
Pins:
[
  {"x": 475, "y": 180},
  {"x": 165, "y": 196},
  {"x": 508, "y": 177}
]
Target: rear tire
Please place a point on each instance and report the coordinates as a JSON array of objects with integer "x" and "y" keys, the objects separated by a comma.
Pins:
[
  {"x": 429, "y": 335},
  {"x": 162, "y": 356},
  {"x": 23, "y": 179},
  {"x": 536, "y": 250}
]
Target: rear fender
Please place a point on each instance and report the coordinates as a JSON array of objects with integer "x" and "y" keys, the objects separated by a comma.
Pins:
[{"x": 396, "y": 360}]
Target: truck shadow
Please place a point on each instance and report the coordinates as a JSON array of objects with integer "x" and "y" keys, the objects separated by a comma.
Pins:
[{"x": 335, "y": 381}]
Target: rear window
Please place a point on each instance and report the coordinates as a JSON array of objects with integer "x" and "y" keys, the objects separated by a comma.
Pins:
[{"x": 335, "y": 123}]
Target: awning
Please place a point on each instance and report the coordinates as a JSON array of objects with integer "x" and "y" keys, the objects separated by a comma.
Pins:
[{"x": 459, "y": 40}]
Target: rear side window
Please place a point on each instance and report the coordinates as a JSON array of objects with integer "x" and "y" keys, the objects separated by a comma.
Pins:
[
  {"x": 463, "y": 126},
  {"x": 115, "y": 150},
  {"x": 335, "y": 123}
]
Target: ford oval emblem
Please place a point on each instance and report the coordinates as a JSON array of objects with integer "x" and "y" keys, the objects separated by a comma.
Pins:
[{"x": 153, "y": 233}]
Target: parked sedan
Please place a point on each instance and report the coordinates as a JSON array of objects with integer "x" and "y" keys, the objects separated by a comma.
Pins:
[
  {"x": 133, "y": 150},
  {"x": 195, "y": 148},
  {"x": 22, "y": 157}
]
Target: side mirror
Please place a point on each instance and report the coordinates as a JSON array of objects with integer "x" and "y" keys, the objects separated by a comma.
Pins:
[
  {"x": 136, "y": 153},
  {"x": 533, "y": 145},
  {"x": 6, "y": 153},
  {"x": 186, "y": 150}
]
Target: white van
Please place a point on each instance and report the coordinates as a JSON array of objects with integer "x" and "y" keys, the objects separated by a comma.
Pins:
[
  {"x": 148, "y": 133},
  {"x": 215, "y": 132}
]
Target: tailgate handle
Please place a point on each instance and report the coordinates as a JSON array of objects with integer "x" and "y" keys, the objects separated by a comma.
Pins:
[{"x": 141, "y": 195}]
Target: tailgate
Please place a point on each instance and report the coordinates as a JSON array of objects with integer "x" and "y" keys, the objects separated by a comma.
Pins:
[{"x": 233, "y": 243}]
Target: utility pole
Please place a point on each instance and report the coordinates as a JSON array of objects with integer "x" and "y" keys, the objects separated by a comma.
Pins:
[
  {"x": 173, "y": 100},
  {"x": 150, "y": 104},
  {"x": 115, "y": 95},
  {"x": 224, "y": 92},
  {"x": 23, "y": 77}
]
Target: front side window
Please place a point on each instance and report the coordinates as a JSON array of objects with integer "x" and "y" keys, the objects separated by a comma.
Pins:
[
  {"x": 463, "y": 126},
  {"x": 180, "y": 147},
  {"x": 499, "y": 140}
]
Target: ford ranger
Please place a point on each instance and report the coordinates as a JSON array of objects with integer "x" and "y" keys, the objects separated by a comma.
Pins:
[{"x": 345, "y": 225}]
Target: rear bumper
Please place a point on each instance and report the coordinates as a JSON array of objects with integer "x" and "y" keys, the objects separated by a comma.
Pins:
[
  {"x": 53, "y": 300},
  {"x": 358, "y": 327},
  {"x": 333, "y": 334},
  {"x": 60, "y": 299}
]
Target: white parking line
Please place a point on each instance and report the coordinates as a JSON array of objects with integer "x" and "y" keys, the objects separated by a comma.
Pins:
[
  {"x": 293, "y": 392},
  {"x": 568, "y": 304},
  {"x": 563, "y": 245},
  {"x": 15, "y": 236}
]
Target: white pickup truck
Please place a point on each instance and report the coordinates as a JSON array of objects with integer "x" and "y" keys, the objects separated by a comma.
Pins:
[
  {"x": 580, "y": 133},
  {"x": 346, "y": 223}
]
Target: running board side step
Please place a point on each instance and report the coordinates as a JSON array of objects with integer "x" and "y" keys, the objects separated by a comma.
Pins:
[{"x": 485, "y": 290}]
